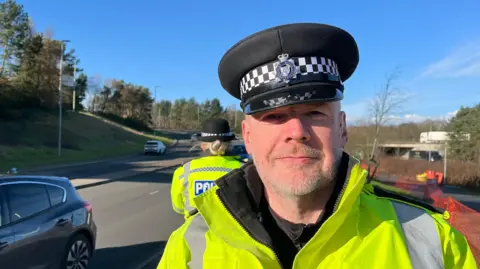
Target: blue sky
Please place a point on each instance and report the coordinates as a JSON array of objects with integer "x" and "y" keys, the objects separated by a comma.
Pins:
[{"x": 177, "y": 44}]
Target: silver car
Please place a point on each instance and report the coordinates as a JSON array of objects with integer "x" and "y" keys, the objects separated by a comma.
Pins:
[{"x": 154, "y": 146}]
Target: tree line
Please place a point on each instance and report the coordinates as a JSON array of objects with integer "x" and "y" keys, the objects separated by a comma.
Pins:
[
  {"x": 388, "y": 102},
  {"x": 29, "y": 68},
  {"x": 189, "y": 114},
  {"x": 366, "y": 135},
  {"x": 466, "y": 121},
  {"x": 30, "y": 75},
  {"x": 30, "y": 78}
]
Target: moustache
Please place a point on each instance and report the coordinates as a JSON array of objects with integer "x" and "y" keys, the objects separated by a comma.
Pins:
[{"x": 299, "y": 151}]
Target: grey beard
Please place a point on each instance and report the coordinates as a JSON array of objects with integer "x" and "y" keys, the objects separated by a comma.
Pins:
[{"x": 323, "y": 180}]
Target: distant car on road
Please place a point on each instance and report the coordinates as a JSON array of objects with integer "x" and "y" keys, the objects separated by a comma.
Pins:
[
  {"x": 154, "y": 146},
  {"x": 432, "y": 156},
  {"x": 44, "y": 223},
  {"x": 195, "y": 137}
]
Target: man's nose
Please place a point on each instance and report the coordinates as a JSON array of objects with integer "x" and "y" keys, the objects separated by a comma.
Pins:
[{"x": 295, "y": 129}]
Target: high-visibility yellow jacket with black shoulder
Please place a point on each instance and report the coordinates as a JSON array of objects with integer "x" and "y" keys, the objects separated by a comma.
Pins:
[
  {"x": 195, "y": 177},
  {"x": 365, "y": 230}
]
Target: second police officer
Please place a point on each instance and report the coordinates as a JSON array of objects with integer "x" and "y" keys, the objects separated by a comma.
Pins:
[{"x": 196, "y": 176}]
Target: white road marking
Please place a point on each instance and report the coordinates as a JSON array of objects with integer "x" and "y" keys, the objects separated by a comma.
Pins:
[{"x": 153, "y": 192}]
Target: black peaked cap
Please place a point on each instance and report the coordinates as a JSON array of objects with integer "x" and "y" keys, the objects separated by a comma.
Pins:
[
  {"x": 216, "y": 129},
  {"x": 322, "y": 57}
]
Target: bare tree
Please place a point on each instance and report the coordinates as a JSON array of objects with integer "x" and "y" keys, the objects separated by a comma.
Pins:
[
  {"x": 95, "y": 86},
  {"x": 387, "y": 102}
]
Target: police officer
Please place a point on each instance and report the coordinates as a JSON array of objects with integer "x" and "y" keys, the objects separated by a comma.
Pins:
[
  {"x": 196, "y": 176},
  {"x": 303, "y": 202}
]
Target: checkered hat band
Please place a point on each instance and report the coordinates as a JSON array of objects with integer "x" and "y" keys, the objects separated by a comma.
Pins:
[
  {"x": 305, "y": 66},
  {"x": 214, "y": 134}
]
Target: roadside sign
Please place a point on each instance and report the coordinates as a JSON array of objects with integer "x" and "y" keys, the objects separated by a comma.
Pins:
[{"x": 68, "y": 80}]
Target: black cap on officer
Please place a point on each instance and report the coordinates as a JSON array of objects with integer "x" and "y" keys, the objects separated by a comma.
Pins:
[
  {"x": 216, "y": 129},
  {"x": 289, "y": 64}
]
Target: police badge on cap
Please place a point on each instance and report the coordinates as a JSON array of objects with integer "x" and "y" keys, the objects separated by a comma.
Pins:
[{"x": 289, "y": 64}]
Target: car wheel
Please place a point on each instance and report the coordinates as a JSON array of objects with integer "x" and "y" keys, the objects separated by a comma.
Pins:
[{"x": 78, "y": 253}]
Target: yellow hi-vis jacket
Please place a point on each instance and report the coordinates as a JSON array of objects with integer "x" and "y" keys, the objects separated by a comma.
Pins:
[
  {"x": 195, "y": 177},
  {"x": 365, "y": 230}
]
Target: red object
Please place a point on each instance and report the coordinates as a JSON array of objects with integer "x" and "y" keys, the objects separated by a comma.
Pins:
[
  {"x": 364, "y": 165},
  {"x": 466, "y": 220},
  {"x": 430, "y": 174},
  {"x": 439, "y": 177}
]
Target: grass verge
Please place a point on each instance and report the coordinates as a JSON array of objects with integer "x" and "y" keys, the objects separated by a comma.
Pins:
[{"x": 85, "y": 137}]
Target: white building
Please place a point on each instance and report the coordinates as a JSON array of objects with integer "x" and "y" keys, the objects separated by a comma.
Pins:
[
  {"x": 434, "y": 137},
  {"x": 438, "y": 137}
]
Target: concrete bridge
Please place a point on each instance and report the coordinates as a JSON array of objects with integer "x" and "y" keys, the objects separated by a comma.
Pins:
[{"x": 403, "y": 149}]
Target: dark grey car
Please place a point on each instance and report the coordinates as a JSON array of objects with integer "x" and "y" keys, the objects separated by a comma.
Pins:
[{"x": 44, "y": 223}]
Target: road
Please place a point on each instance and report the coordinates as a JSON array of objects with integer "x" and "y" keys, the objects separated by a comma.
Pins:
[
  {"x": 134, "y": 218},
  {"x": 467, "y": 197},
  {"x": 95, "y": 169},
  {"x": 133, "y": 214}
]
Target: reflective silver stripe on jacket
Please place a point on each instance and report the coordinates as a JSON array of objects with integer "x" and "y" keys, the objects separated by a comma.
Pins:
[
  {"x": 195, "y": 237},
  {"x": 421, "y": 236},
  {"x": 204, "y": 169},
  {"x": 187, "y": 172}
]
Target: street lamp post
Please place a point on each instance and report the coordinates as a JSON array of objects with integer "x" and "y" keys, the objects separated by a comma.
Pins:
[
  {"x": 62, "y": 42},
  {"x": 445, "y": 163},
  {"x": 74, "y": 101}
]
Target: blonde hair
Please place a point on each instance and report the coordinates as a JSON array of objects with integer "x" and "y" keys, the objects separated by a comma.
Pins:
[{"x": 217, "y": 148}]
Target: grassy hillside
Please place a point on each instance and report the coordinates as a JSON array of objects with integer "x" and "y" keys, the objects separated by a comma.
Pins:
[{"x": 85, "y": 137}]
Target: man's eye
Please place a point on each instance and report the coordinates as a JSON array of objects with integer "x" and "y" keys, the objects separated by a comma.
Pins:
[{"x": 315, "y": 113}]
